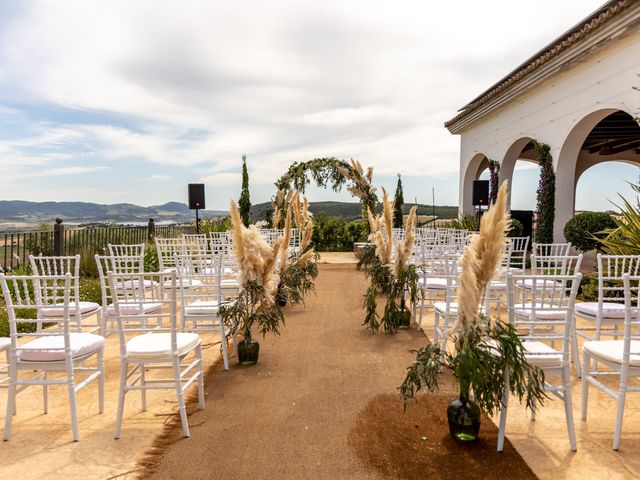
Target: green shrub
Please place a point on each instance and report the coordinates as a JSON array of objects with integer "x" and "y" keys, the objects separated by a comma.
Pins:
[
  {"x": 335, "y": 234},
  {"x": 151, "y": 263},
  {"x": 516, "y": 229},
  {"x": 583, "y": 229}
]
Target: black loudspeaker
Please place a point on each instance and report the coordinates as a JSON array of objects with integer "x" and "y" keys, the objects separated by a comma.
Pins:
[
  {"x": 196, "y": 196},
  {"x": 481, "y": 192}
]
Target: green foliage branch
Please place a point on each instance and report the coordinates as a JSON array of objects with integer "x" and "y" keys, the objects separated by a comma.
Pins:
[
  {"x": 624, "y": 239},
  {"x": 252, "y": 307},
  {"x": 478, "y": 363}
]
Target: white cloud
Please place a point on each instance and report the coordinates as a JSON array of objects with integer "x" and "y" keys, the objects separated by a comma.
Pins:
[{"x": 192, "y": 85}]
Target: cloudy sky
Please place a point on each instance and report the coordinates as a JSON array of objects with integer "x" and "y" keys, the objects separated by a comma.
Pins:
[{"x": 128, "y": 101}]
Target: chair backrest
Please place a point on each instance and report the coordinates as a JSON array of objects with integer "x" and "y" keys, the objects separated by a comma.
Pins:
[
  {"x": 141, "y": 310},
  {"x": 541, "y": 307},
  {"x": 132, "y": 250},
  {"x": 631, "y": 285},
  {"x": 550, "y": 249},
  {"x": 26, "y": 296},
  {"x": 167, "y": 248},
  {"x": 519, "y": 248},
  {"x": 56, "y": 266},
  {"x": 199, "y": 280},
  {"x": 555, "y": 265},
  {"x": 611, "y": 269},
  {"x": 115, "y": 264}
]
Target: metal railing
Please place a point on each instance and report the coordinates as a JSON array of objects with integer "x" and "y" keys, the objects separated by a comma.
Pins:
[{"x": 15, "y": 247}]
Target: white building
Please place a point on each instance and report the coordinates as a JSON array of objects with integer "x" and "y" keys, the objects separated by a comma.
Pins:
[{"x": 576, "y": 95}]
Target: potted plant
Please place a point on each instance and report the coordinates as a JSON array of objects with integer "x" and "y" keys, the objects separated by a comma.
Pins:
[
  {"x": 482, "y": 349},
  {"x": 390, "y": 273},
  {"x": 256, "y": 305}
]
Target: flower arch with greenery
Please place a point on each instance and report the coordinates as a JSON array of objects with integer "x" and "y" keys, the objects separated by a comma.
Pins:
[{"x": 335, "y": 173}]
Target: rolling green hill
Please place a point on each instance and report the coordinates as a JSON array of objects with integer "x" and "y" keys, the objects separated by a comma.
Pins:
[{"x": 351, "y": 210}]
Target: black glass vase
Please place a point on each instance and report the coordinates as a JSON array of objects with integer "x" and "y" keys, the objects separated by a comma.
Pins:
[
  {"x": 248, "y": 351},
  {"x": 464, "y": 419},
  {"x": 405, "y": 319}
]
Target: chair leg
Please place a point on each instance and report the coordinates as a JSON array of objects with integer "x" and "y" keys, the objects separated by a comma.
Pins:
[
  {"x": 503, "y": 412},
  {"x": 620, "y": 412},
  {"x": 180, "y": 394},
  {"x": 575, "y": 351},
  {"x": 586, "y": 360},
  {"x": 143, "y": 383},
  {"x": 422, "y": 295},
  {"x": 73, "y": 406},
  {"x": 101, "y": 382},
  {"x": 11, "y": 406},
  {"x": 568, "y": 406},
  {"x": 223, "y": 345},
  {"x": 201, "y": 379},
  {"x": 121, "y": 394},
  {"x": 45, "y": 393}
]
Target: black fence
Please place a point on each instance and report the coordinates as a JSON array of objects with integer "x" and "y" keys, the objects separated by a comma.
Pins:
[{"x": 15, "y": 248}]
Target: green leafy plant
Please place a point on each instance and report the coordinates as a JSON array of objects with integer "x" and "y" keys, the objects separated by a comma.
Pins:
[
  {"x": 494, "y": 172},
  {"x": 584, "y": 229},
  {"x": 397, "y": 205},
  {"x": 624, "y": 239},
  {"x": 546, "y": 193},
  {"x": 297, "y": 280},
  {"x": 478, "y": 364},
  {"x": 252, "y": 307},
  {"x": 245, "y": 203}
]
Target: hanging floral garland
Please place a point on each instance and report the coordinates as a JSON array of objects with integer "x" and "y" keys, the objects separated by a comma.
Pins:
[
  {"x": 494, "y": 171},
  {"x": 546, "y": 193}
]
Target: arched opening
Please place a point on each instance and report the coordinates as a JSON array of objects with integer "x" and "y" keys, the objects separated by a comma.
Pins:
[
  {"x": 475, "y": 168},
  {"x": 609, "y": 179},
  {"x": 521, "y": 150},
  {"x": 607, "y": 135}
]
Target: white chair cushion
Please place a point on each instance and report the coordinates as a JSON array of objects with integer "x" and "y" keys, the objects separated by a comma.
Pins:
[
  {"x": 528, "y": 283},
  {"x": 201, "y": 307},
  {"x": 542, "y": 355},
  {"x": 58, "y": 310},
  {"x": 135, "y": 308},
  {"x": 441, "y": 307},
  {"x": 152, "y": 345},
  {"x": 230, "y": 283},
  {"x": 526, "y": 310},
  {"x": 4, "y": 343},
  {"x": 611, "y": 350},
  {"x": 609, "y": 309},
  {"x": 135, "y": 283},
  {"x": 81, "y": 344},
  {"x": 432, "y": 283}
]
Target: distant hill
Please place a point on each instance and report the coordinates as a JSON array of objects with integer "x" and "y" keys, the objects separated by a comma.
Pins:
[
  {"x": 351, "y": 210},
  {"x": 19, "y": 211}
]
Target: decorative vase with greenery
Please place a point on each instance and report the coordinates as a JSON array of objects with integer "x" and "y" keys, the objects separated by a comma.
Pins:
[
  {"x": 390, "y": 273},
  {"x": 483, "y": 350},
  {"x": 256, "y": 305}
]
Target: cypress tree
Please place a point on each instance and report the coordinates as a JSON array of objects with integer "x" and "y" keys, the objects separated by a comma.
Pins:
[
  {"x": 397, "y": 209},
  {"x": 244, "y": 204}
]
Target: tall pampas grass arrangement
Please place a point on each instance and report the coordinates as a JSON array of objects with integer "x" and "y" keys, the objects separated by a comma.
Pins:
[
  {"x": 299, "y": 271},
  {"x": 389, "y": 271},
  {"x": 259, "y": 279},
  {"x": 482, "y": 350}
]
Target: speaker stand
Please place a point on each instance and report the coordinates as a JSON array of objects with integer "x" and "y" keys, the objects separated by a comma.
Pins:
[{"x": 197, "y": 222}]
